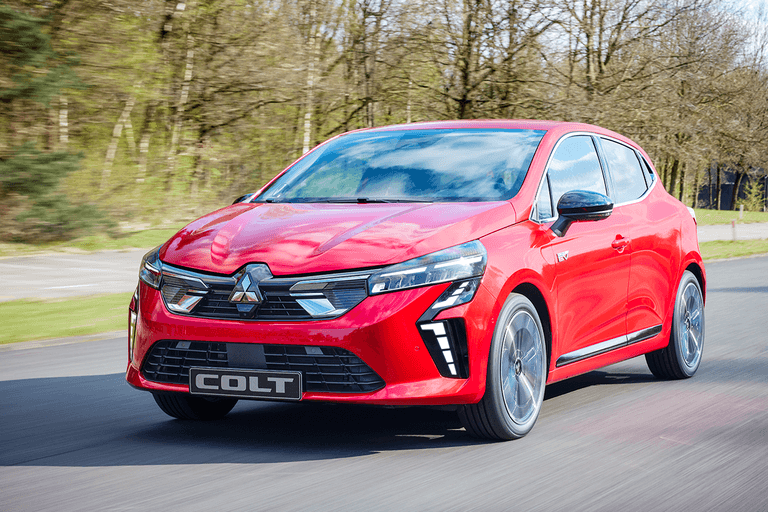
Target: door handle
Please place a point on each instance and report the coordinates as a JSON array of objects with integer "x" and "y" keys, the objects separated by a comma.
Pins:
[{"x": 620, "y": 243}]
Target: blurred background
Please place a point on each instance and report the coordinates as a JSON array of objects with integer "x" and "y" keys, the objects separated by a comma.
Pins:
[{"x": 122, "y": 115}]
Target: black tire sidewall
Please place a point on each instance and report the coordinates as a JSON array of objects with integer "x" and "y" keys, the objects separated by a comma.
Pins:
[
  {"x": 687, "y": 371},
  {"x": 494, "y": 399}
]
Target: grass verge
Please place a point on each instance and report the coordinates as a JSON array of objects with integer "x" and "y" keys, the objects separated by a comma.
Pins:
[
  {"x": 709, "y": 217},
  {"x": 729, "y": 249},
  {"x": 26, "y": 320}
]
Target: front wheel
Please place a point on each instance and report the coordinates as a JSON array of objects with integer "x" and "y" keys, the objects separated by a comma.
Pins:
[
  {"x": 517, "y": 375},
  {"x": 682, "y": 357},
  {"x": 187, "y": 407}
]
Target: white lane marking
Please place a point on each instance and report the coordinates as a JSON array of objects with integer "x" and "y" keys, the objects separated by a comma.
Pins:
[
  {"x": 86, "y": 269},
  {"x": 70, "y": 286},
  {"x": 31, "y": 267}
]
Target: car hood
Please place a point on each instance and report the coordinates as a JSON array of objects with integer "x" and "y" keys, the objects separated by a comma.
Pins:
[{"x": 296, "y": 238}]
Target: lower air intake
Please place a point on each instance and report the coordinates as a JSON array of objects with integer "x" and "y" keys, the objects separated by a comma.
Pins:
[{"x": 324, "y": 369}]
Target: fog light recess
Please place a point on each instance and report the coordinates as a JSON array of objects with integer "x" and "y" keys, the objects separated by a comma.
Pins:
[{"x": 446, "y": 342}]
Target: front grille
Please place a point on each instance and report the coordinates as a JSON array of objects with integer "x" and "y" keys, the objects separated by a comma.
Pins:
[
  {"x": 277, "y": 305},
  {"x": 324, "y": 369},
  {"x": 216, "y": 304},
  {"x": 280, "y": 301},
  {"x": 170, "y": 361}
]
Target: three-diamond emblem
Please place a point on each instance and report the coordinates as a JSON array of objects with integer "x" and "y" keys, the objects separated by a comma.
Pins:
[{"x": 246, "y": 291}]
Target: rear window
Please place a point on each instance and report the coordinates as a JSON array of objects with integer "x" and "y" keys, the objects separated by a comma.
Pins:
[
  {"x": 411, "y": 165},
  {"x": 628, "y": 179}
]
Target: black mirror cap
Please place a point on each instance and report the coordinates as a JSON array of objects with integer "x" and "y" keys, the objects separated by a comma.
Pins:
[
  {"x": 244, "y": 198},
  {"x": 581, "y": 205}
]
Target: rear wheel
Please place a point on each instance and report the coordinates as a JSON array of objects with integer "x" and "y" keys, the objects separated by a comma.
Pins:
[
  {"x": 682, "y": 357},
  {"x": 517, "y": 375},
  {"x": 187, "y": 407}
]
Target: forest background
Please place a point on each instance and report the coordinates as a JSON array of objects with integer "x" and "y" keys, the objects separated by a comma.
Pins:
[{"x": 121, "y": 114}]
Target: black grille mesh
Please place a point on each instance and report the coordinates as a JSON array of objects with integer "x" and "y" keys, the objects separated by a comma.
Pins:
[
  {"x": 324, "y": 369},
  {"x": 170, "y": 361},
  {"x": 327, "y": 369},
  {"x": 277, "y": 305}
]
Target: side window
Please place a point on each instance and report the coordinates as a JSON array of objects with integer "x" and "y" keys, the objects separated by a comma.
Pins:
[
  {"x": 625, "y": 169},
  {"x": 544, "y": 202},
  {"x": 647, "y": 172},
  {"x": 575, "y": 166}
]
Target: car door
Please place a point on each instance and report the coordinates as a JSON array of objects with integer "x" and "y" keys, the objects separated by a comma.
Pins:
[
  {"x": 652, "y": 229},
  {"x": 592, "y": 261}
]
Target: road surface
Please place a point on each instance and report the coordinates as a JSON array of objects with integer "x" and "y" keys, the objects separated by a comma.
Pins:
[
  {"x": 55, "y": 275},
  {"x": 75, "y": 436}
]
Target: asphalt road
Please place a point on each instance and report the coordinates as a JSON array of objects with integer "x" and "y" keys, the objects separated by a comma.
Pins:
[
  {"x": 51, "y": 276},
  {"x": 75, "y": 436}
]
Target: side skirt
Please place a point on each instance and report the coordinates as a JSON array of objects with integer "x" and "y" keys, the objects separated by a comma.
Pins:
[{"x": 607, "y": 346}]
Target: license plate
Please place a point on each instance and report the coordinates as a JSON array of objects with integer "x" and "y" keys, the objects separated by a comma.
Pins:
[{"x": 236, "y": 383}]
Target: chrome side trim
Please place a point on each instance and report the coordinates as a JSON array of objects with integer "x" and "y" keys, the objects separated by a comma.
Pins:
[
  {"x": 592, "y": 350},
  {"x": 643, "y": 334},
  {"x": 607, "y": 346}
]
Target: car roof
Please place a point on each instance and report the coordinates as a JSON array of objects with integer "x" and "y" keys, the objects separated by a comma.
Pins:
[
  {"x": 554, "y": 129},
  {"x": 527, "y": 124}
]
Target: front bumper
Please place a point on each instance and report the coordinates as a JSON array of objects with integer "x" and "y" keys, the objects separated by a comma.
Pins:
[{"x": 381, "y": 331}]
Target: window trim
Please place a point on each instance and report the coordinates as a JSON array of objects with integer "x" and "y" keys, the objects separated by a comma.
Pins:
[
  {"x": 533, "y": 216},
  {"x": 641, "y": 161}
]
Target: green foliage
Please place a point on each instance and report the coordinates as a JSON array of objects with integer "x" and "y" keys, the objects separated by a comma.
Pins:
[
  {"x": 28, "y": 179},
  {"x": 755, "y": 200},
  {"x": 53, "y": 217},
  {"x": 36, "y": 72},
  {"x": 31, "y": 72},
  {"x": 187, "y": 105},
  {"x": 31, "y": 172}
]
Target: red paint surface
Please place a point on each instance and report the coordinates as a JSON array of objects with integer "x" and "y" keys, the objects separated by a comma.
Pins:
[{"x": 600, "y": 292}]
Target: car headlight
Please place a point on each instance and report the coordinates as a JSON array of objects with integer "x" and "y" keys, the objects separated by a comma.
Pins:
[
  {"x": 181, "y": 293},
  {"x": 151, "y": 270},
  {"x": 460, "y": 262}
]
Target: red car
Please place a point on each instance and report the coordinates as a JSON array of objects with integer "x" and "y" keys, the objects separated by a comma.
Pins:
[{"x": 464, "y": 263}]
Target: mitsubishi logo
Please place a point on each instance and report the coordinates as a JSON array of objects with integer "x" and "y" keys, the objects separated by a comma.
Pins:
[{"x": 247, "y": 288}]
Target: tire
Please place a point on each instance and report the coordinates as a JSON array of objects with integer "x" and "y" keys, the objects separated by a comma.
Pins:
[
  {"x": 517, "y": 375},
  {"x": 187, "y": 407},
  {"x": 682, "y": 356}
]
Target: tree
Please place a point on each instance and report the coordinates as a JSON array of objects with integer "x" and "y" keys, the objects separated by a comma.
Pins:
[{"x": 33, "y": 73}]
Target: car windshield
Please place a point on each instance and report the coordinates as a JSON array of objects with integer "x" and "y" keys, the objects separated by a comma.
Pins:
[{"x": 411, "y": 166}]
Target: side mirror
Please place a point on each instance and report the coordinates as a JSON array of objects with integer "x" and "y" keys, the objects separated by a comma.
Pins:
[
  {"x": 244, "y": 198},
  {"x": 580, "y": 205}
]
